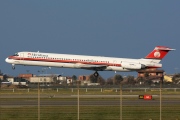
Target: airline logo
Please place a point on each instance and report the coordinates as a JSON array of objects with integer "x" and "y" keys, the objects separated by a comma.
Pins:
[
  {"x": 157, "y": 54},
  {"x": 37, "y": 55}
]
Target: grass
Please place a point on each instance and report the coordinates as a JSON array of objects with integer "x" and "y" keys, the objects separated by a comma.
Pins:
[{"x": 91, "y": 113}]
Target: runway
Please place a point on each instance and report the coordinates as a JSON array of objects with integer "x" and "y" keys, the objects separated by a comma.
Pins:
[
  {"x": 21, "y": 103},
  {"x": 81, "y": 96},
  {"x": 85, "y": 100}
]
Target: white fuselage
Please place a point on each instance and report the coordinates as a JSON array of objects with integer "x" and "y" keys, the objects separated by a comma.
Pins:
[{"x": 97, "y": 63}]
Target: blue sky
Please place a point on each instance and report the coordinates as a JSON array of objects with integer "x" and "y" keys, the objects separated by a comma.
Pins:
[{"x": 117, "y": 28}]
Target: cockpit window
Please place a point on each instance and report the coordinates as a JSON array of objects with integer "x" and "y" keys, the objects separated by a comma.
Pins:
[{"x": 16, "y": 54}]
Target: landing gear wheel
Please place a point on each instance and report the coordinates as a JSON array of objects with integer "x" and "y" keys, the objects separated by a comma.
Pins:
[
  {"x": 96, "y": 74},
  {"x": 13, "y": 67}
]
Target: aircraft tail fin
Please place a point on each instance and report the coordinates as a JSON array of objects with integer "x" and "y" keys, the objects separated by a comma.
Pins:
[{"x": 158, "y": 53}]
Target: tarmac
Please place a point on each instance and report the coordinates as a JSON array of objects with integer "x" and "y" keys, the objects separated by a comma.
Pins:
[{"x": 85, "y": 100}]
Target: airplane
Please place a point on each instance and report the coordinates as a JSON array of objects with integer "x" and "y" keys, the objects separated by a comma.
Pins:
[{"x": 96, "y": 63}]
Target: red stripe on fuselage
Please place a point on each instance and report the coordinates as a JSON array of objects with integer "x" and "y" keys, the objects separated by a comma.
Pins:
[{"x": 70, "y": 61}]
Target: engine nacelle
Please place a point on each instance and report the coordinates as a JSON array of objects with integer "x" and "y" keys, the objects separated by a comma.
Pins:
[{"x": 135, "y": 66}]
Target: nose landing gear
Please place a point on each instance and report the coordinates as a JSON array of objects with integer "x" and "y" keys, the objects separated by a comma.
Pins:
[{"x": 13, "y": 66}]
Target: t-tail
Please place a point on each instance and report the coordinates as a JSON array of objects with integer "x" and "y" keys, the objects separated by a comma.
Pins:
[{"x": 158, "y": 53}]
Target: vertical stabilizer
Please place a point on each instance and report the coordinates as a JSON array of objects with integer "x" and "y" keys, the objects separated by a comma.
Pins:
[{"x": 159, "y": 52}]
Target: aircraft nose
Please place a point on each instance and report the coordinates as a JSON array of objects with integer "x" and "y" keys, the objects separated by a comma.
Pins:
[{"x": 7, "y": 59}]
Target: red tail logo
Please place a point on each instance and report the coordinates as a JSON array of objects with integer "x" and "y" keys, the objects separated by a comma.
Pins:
[{"x": 159, "y": 52}]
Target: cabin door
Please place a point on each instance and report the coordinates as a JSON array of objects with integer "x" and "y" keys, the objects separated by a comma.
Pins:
[{"x": 21, "y": 57}]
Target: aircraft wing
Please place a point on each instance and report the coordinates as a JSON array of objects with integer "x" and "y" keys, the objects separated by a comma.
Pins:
[{"x": 94, "y": 67}]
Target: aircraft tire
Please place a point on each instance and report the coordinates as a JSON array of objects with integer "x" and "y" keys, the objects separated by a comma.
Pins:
[{"x": 96, "y": 74}]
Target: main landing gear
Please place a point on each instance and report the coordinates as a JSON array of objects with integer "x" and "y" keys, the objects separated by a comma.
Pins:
[
  {"x": 96, "y": 74},
  {"x": 13, "y": 66}
]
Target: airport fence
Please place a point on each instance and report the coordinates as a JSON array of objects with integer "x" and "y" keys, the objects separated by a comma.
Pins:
[{"x": 91, "y": 90}]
